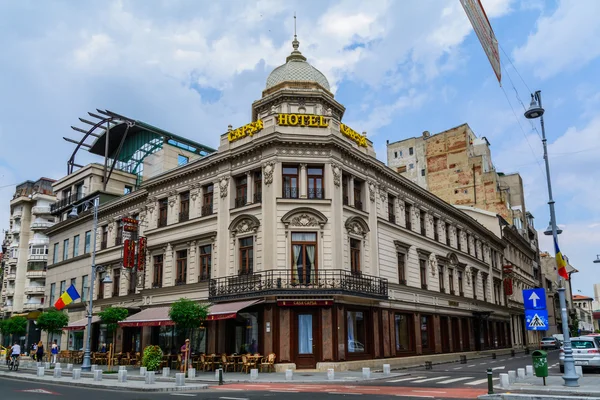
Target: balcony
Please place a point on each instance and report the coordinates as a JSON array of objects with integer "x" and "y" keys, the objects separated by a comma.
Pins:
[
  {"x": 37, "y": 257},
  {"x": 18, "y": 213},
  {"x": 15, "y": 230},
  {"x": 240, "y": 201},
  {"x": 34, "y": 290},
  {"x": 257, "y": 197},
  {"x": 7, "y": 308},
  {"x": 13, "y": 260},
  {"x": 41, "y": 210},
  {"x": 35, "y": 274},
  {"x": 11, "y": 276},
  {"x": 207, "y": 210},
  {"x": 290, "y": 193},
  {"x": 66, "y": 202},
  {"x": 283, "y": 282},
  {"x": 32, "y": 306},
  {"x": 39, "y": 241},
  {"x": 9, "y": 292},
  {"x": 41, "y": 224}
]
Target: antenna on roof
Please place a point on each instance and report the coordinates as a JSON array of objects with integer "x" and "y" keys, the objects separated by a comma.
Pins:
[{"x": 294, "y": 24}]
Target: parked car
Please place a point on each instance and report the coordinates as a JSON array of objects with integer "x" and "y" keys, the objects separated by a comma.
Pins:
[
  {"x": 586, "y": 352},
  {"x": 560, "y": 337},
  {"x": 549, "y": 343}
]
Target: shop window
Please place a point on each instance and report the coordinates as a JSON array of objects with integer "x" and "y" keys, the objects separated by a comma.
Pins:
[
  {"x": 355, "y": 256},
  {"x": 170, "y": 339},
  {"x": 304, "y": 257},
  {"x": 75, "y": 245},
  {"x": 246, "y": 333},
  {"x": 205, "y": 262},
  {"x": 88, "y": 242},
  {"x": 423, "y": 273},
  {"x": 257, "y": 187},
  {"x": 315, "y": 183},
  {"x": 181, "y": 278},
  {"x": 427, "y": 333},
  {"x": 157, "y": 271},
  {"x": 207, "y": 200},
  {"x": 116, "y": 282},
  {"x": 404, "y": 331},
  {"x": 163, "y": 206},
  {"x": 246, "y": 255},
  {"x": 305, "y": 334},
  {"x": 402, "y": 268},
  {"x": 241, "y": 191},
  {"x": 356, "y": 331},
  {"x": 290, "y": 182},
  {"x": 184, "y": 206}
]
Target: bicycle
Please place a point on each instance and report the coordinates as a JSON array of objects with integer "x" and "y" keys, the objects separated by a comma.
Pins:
[{"x": 14, "y": 364}]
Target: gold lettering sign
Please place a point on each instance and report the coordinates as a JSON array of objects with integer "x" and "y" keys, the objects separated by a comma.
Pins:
[
  {"x": 246, "y": 130},
  {"x": 361, "y": 140},
  {"x": 312, "y": 121}
]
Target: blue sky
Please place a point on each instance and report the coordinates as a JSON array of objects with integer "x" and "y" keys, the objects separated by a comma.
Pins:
[{"x": 399, "y": 67}]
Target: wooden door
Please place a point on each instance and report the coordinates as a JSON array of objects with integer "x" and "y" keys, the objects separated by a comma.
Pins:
[
  {"x": 307, "y": 342},
  {"x": 445, "y": 334}
]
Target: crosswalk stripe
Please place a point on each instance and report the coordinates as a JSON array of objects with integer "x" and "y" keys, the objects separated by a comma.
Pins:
[
  {"x": 464, "y": 378},
  {"x": 431, "y": 379},
  {"x": 479, "y": 381},
  {"x": 405, "y": 379}
]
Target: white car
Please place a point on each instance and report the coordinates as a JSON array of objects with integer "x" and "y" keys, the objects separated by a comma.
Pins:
[
  {"x": 586, "y": 352},
  {"x": 355, "y": 347},
  {"x": 549, "y": 343}
]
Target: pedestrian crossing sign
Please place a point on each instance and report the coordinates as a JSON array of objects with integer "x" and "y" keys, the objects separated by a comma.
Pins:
[{"x": 536, "y": 320}]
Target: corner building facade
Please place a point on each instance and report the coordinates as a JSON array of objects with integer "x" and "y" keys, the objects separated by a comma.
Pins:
[{"x": 303, "y": 243}]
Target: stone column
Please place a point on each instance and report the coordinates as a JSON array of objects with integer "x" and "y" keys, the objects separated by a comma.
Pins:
[
  {"x": 303, "y": 182},
  {"x": 417, "y": 327},
  {"x": 351, "y": 190},
  {"x": 192, "y": 272},
  {"x": 250, "y": 188},
  {"x": 173, "y": 208},
  {"x": 195, "y": 200},
  {"x": 168, "y": 267}
]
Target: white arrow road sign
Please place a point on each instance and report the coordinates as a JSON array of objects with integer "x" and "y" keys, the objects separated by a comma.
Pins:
[
  {"x": 534, "y": 298},
  {"x": 493, "y": 369}
]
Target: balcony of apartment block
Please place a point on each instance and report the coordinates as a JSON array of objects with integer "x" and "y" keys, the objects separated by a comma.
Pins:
[
  {"x": 39, "y": 241},
  {"x": 34, "y": 290},
  {"x": 286, "y": 282},
  {"x": 36, "y": 272},
  {"x": 65, "y": 203},
  {"x": 41, "y": 224},
  {"x": 32, "y": 306},
  {"x": 8, "y": 292},
  {"x": 11, "y": 276},
  {"x": 7, "y": 308},
  {"x": 37, "y": 258},
  {"x": 18, "y": 213},
  {"x": 15, "y": 230},
  {"x": 41, "y": 210}
]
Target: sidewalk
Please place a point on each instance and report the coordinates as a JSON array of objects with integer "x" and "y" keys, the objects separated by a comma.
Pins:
[{"x": 532, "y": 387}]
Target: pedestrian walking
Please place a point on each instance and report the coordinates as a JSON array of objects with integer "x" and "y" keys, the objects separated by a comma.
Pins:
[
  {"x": 40, "y": 352},
  {"x": 54, "y": 351}
]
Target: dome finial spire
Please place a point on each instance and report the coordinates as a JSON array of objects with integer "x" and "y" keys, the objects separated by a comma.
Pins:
[
  {"x": 296, "y": 54},
  {"x": 295, "y": 43}
]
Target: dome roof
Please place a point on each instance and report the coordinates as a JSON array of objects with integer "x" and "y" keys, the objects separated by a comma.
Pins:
[{"x": 296, "y": 69}]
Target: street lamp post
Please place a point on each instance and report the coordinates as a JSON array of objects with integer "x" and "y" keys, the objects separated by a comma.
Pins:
[{"x": 570, "y": 376}]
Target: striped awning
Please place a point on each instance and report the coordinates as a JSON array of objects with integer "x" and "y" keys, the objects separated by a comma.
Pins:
[
  {"x": 81, "y": 324},
  {"x": 158, "y": 316},
  {"x": 229, "y": 310}
]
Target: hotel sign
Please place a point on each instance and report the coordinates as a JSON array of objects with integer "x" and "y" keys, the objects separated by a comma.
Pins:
[
  {"x": 360, "y": 140},
  {"x": 246, "y": 130},
  {"x": 304, "y": 303},
  {"x": 311, "y": 121}
]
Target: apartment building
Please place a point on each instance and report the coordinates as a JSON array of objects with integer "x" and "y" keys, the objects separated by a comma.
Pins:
[{"x": 585, "y": 312}]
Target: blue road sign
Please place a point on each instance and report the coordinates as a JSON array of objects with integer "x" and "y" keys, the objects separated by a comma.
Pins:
[
  {"x": 536, "y": 320},
  {"x": 534, "y": 299}
]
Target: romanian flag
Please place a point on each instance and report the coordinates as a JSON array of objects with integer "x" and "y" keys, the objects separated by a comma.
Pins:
[
  {"x": 66, "y": 298},
  {"x": 561, "y": 263}
]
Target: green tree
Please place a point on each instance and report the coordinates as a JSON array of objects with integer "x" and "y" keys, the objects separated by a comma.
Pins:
[
  {"x": 188, "y": 314},
  {"x": 111, "y": 316},
  {"x": 52, "y": 322},
  {"x": 15, "y": 326},
  {"x": 574, "y": 325}
]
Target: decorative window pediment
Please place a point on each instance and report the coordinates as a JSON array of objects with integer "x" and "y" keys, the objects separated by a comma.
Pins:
[
  {"x": 357, "y": 226},
  {"x": 401, "y": 246},
  {"x": 244, "y": 223},
  {"x": 304, "y": 217}
]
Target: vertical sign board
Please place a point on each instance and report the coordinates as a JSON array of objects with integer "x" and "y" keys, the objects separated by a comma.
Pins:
[
  {"x": 536, "y": 315},
  {"x": 485, "y": 33}
]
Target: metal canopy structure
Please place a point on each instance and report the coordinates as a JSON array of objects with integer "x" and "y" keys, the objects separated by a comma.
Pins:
[{"x": 125, "y": 142}]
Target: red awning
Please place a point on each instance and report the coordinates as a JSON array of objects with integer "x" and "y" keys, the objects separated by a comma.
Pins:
[
  {"x": 229, "y": 310},
  {"x": 81, "y": 324},
  {"x": 158, "y": 316}
]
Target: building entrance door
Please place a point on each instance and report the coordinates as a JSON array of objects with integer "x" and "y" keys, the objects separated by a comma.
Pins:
[
  {"x": 307, "y": 342},
  {"x": 445, "y": 334}
]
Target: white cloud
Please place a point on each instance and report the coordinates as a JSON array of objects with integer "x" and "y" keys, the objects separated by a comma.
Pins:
[{"x": 563, "y": 41}]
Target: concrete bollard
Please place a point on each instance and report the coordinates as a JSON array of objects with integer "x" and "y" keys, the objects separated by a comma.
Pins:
[
  {"x": 386, "y": 369},
  {"x": 579, "y": 370},
  {"x": 253, "y": 374},
  {"x": 41, "y": 371},
  {"x": 76, "y": 374},
  {"x": 98, "y": 375},
  {"x": 529, "y": 370},
  {"x": 289, "y": 374},
  {"x": 366, "y": 373},
  {"x": 330, "y": 374},
  {"x": 179, "y": 379},
  {"x": 166, "y": 372},
  {"x": 57, "y": 372},
  {"x": 150, "y": 377},
  {"x": 192, "y": 373},
  {"x": 122, "y": 375},
  {"x": 47, "y": 365},
  {"x": 57, "y": 365},
  {"x": 512, "y": 376},
  {"x": 521, "y": 373},
  {"x": 143, "y": 371},
  {"x": 217, "y": 374},
  {"x": 69, "y": 367},
  {"x": 122, "y": 368},
  {"x": 504, "y": 381}
]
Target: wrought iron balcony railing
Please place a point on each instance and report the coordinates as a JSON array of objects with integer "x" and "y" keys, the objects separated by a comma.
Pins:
[
  {"x": 66, "y": 202},
  {"x": 257, "y": 197},
  {"x": 184, "y": 216},
  {"x": 290, "y": 193},
  {"x": 316, "y": 193},
  {"x": 240, "y": 201},
  {"x": 392, "y": 217},
  {"x": 207, "y": 210},
  {"x": 323, "y": 282}
]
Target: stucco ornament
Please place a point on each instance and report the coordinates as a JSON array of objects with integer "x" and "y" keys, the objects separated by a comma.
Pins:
[
  {"x": 273, "y": 109},
  {"x": 246, "y": 226},
  {"x": 329, "y": 112},
  {"x": 433, "y": 264},
  {"x": 468, "y": 275},
  {"x": 223, "y": 185},
  {"x": 337, "y": 174},
  {"x": 372, "y": 189},
  {"x": 304, "y": 220},
  {"x": 357, "y": 226},
  {"x": 383, "y": 193},
  {"x": 268, "y": 169}
]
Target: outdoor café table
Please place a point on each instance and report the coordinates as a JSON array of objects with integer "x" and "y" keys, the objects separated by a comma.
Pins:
[{"x": 237, "y": 362}]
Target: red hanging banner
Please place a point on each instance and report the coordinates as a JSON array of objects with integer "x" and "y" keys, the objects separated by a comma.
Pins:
[
  {"x": 131, "y": 254},
  {"x": 126, "y": 253},
  {"x": 141, "y": 256},
  {"x": 508, "y": 287}
]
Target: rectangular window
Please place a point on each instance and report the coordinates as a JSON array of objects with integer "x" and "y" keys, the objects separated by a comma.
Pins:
[
  {"x": 459, "y": 239},
  {"x": 460, "y": 283},
  {"x": 63, "y": 287},
  {"x": 182, "y": 160},
  {"x": 400, "y": 153},
  {"x": 423, "y": 172},
  {"x": 163, "y": 206},
  {"x": 410, "y": 151},
  {"x": 104, "y": 243},
  {"x": 345, "y": 198},
  {"x": 355, "y": 256},
  {"x": 101, "y": 277},
  {"x": 402, "y": 268},
  {"x": 304, "y": 257},
  {"x": 468, "y": 244},
  {"x": 401, "y": 169},
  {"x": 76, "y": 246},
  {"x": 157, "y": 271},
  {"x": 423, "y": 273},
  {"x": 423, "y": 226},
  {"x": 411, "y": 166},
  {"x": 484, "y": 286},
  {"x": 357, "y": 331},
  {"x": 426, "y": 334},
  {"x": 257, "y": 187},
  {"x": 184, "y": 206},
  {"x": 88, "y": 242},
  {"x": 451, "y": 280},
  {"x": 391, "y": 209},
  {"x": 448, "y": 235},
  {"x": 441, "y": 279},
  {"x": 52, "y": 290},
  {"x": 119, "y": 237},
  {"x": 241, "y": 191},
  {"x": 207, "y": 200},
  {"x": 127, "y": 189},
  {"x": 436, "y": 227},
  {"x": 407, "y": 216},
  {"x": 74, "y": 282},
  {"x": 85, "y": 287},
  {"x": 395, "y": 154},
  {"x": 290, "y": 182},
  {"x": 181, "y": 273},
  {"x": 205, "y": 262},
  {"x": 246, "y": 255},
  {"x": 315, "y": 183},
  {"x": 55, "y": 254},
  {"x": 404, "y": 331},
  {"x": 66, "y": 249},
  {"x": 358, "y": 195},
  {"x": 116, "y": 282}
]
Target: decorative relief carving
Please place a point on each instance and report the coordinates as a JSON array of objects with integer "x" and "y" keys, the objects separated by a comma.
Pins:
[
  {"x": 337, "y": 174},
  {"x": 468, "y": 275},
  {"x": 357, "y": 226},
  {"x": 372, "y": 189},
  {"x": 244, "y": 224},
  {"x": 383, "y": 192},
  {"x": 304, "y": 220},
  {"x": 268, "y": 169},
  {"x": 223, "y": 185},
  {"x": 433, "y": 264}
]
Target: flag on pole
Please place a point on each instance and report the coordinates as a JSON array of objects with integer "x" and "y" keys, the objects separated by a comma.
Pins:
[
  {"x": 561, "y": 263},
  {"x": 67, "y": 298}
]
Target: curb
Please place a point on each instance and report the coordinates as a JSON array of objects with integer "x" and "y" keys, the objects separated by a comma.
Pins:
[
  {"x": 541, "y": 391},
  {"x": 534, "y": 396}
]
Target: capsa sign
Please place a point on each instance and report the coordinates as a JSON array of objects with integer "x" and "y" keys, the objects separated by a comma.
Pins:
[
  {"x": 246, "y": 130},
  {"x": 312, "y": 121},
  {"x": 361, "y": 140}
]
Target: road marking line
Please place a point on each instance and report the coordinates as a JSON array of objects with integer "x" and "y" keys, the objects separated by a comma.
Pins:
[
  {"x": 405, "y": 379},
  {"x": 457, "y": 368},
  {"x": 414, "y": 395},
  {"x": 491, "y": 362},
  {"x": 435, "y": 378},
  {"x": 232, "y": 398},
  {"x": 429, "y": 391},
  {"x": 482, "y": 363},
  {"x": 464, "y": 378},
  {"x": 358, "y": 394},
  {"x": 193, "y": 395},
  {"x": 284, "y": 391},
  {"x": 469, "y": 366},
  {"x": 479, "y": 382}
]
